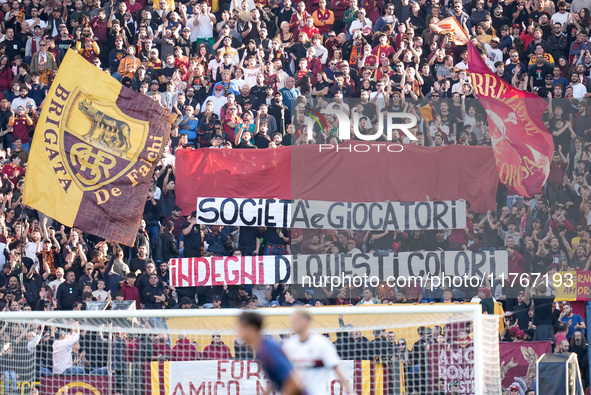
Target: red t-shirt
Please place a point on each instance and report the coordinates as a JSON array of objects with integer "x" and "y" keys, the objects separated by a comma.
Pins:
[
  {"x": 310, "y": 31},
  {"x": 12, "y": 172},
  {"x": 382, "y": 52},
  {"x": 557, "y": 173}
]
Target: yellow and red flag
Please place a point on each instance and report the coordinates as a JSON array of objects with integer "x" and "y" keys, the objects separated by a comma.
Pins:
[
  {"x": 522, "y": 145},
  {"x": 94, "y": 152},
  {"x": 427, "y": 112},
  {"x": 451, "y": 25}
]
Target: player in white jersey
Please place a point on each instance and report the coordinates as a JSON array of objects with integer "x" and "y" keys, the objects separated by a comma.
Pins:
[{"x": 313, "y": 356}]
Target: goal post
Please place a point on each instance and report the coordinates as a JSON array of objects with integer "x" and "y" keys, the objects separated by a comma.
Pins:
[{"x": 386, "y": 349}]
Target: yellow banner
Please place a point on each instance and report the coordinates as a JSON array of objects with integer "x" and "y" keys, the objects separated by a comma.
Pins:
[
  {"x": 95, "y": 148},
  {"x": 571, "y": 286}
]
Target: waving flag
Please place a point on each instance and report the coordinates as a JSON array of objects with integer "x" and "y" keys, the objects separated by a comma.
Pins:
[
  {"x": 451, "y": 25},
  {"x": 522, "y": 145},
  {"x": 95, "y": 148}
]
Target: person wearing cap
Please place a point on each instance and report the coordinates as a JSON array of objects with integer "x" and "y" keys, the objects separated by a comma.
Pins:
[
  {"x": 244, "y": 136},
  {"x": 486, "y": 301},
  {"x": 153, "y": 56},
  {"x": 88, "y": 48},
  {"x": 193, "y": 237},
  {"x": 216, "y": 303},
  {"x": 183, "y": 41},
  {"x": 186, "y": 303},
  {"x": 87, "y": 277},
  {"x": 515, "y": 389},
  {"x": 153, "y": 89},
  {"x": 493, "y": 53},
  {"x": 140, "y": 78},
  {"x": 217, "y": 101},
  {"x": 253, "y": 302}
]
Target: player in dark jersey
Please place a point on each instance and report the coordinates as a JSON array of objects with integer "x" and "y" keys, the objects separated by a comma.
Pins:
[{"x": 279, "y": 369}]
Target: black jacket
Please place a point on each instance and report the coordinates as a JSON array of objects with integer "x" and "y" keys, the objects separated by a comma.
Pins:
[
  {"x": 166, "y": 247},
  {"x": 68, "y": 294}
]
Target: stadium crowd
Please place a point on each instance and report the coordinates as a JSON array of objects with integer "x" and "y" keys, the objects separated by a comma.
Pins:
[{"x": 241, "y": 75}]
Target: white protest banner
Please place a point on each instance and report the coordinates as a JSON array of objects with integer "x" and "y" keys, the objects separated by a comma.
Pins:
[
  {"x": 230, "y": 270},
  {"x": 244, "y": 212},
  {"x": 313, "y": 214},
  {"x": 320, "y": 270},
  {"x": 323, "y": 270},
  {"x": 233, "y": 377}
]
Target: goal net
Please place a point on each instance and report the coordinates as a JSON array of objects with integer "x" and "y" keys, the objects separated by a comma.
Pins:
[{"x": 399, "y": 349}]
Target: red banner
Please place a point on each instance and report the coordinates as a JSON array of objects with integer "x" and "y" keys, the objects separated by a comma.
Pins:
[
  {"x": 522, "y": 145},
  {"x": 356, "y": 172},
  {"x": 518, "y": 360},
  {"x": 82, "y": 385},
  {"x": 454, "y": 365}
]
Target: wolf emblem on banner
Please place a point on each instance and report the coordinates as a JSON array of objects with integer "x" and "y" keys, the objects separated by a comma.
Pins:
[
  {"x": 94, "y": 152},
  {"x": 99, "y": 142},
  {"x": 111, "y": 133}
]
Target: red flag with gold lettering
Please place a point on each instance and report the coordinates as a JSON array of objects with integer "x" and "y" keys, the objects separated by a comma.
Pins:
[{"x": 522, "y": 145}]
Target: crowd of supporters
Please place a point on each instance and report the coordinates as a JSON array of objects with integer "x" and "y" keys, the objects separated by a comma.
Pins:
[{"x": 241, "y": 74}]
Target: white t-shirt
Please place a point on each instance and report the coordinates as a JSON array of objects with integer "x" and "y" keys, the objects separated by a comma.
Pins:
[
  {"x": 31, "y": 251},
  {"x": 365, "y": 26},
  {"x": 250, "y": 5},
  {"x": 62, "y": 353},
  {"x": 313, "y": 359},
  {"x": 100, "y": 295},
  {"x": 561, "y": 18},
  {"x": 42, "y": 24},
  {"x": 493, "y": 55},
  {"x": 55, "y": 284},
  {"x": 218, "y": 103},
  {"x": 205, "y": 28},
  {"x": 19, "y": 101},
  {"x": 239, "y": 83},
  {"x": 250, "y": 75},
  {"x": 461, "y": 66},
  {"x": 579, "y": 91},
  {"x": 194, "y": 29}
]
